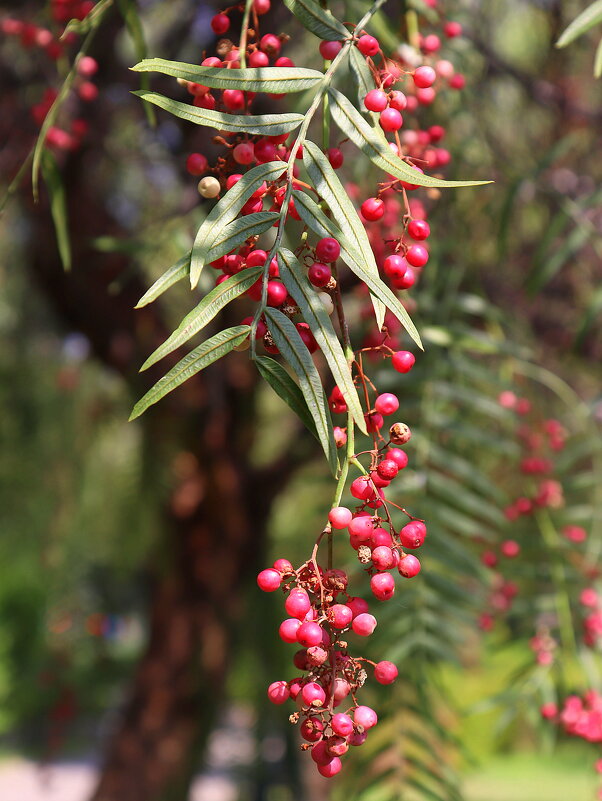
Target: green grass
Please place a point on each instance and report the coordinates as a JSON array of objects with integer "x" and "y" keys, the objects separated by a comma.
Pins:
[{"x": 567, "y": 775}]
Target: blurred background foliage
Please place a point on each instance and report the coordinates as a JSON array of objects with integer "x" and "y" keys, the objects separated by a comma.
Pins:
[{"x": 510, "y": 301}]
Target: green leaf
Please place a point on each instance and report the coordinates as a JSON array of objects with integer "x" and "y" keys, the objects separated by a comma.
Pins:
[
  {"x": 315, "y": 218},
  {"x": 375, "y": 146},
  {"x": 58, "y": 206},
  {"x": 363, "y": 79},
  {"x": 284, "y": 386},
  {"x": 292, "y": 348},
  {"x": 170, "y": 277},
  {"x": 239, "y": 231},
  {"x": 332, "y": 191},
  {"x": 206, "y": 310},
  {"x": 207, "y": 353},
  {"x": 598, "y": 60},
  {"x": 317, "y": 20},
  {"x": 315, "y": 316},
  {"x": 90, "y": 21},
  {"x": 226, "y": 210},
  {"x": 262, "y": 125},
  {"x": 589, "y": 17},
  {"x": 277, "y": 80},
  {"x": 129, "y": 12}
]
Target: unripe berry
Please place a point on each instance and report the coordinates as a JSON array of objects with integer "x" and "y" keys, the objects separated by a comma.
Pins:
[
  {"x": 278, "y": 692},
  {"x": 391, "y": 120},
  {"x": 424, "y": 77},
  {"x": 319, "y": 274},
  {"x": 385, "y": 672},
  {"x": 340, "y": 517},
  {"x": 313, "y": 694},
  {"x": 376, "y": 100},
  {"x": 383, "y": 585},
  {"x": 288, "y": 629},
  {"x": 368, "y": 45},
  {"x": 372, "y": 209},
  {"x": 365, "y": 717},
  {"x": 413, "y": 534},
  {"x": 417, "y": 255},
  {"x": 387, "y": 403},
  {"x": 328, "y": 50},
  {"x": 298, "y": 604},
  {"x": 387, "y": 469},
  {"x": 328, "y": 250},
  {"x": 341, "y": 724},
  {"x": 409, "y": 566},
  {"x": 419, "y": 230},
  {"x": 269, "y": 580},
  {"x": 363, "y": 624},
  {"x": 220, "y": 24},
  {"x": 209, "y": 187},
  {"x": 196, "y": 164}
]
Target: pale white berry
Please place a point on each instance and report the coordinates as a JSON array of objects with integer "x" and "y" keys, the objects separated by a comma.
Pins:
[{"x": 209, "y": 187}]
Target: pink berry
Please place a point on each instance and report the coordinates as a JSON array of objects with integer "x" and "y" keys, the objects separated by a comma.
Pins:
[
  {"x": 368, "y": 45},
  {"x": 431, "y": 43},
  {"x": 288, "y": 629},
  {"x": 413, "y": 534},
  {"x": 510, "y": 548},
  {"x": 395, "y": 266},
  {"x": 391, "y": 120},
  {"x": 312, "y": 693},
  {"x": 319, "y": 274},
  {"x": 403, "y": 361},
  {"x": 269, "y": 580},
  {"x": 376, "y": 100},
  {"x": 297, "y": 604},
  {"x": 283, "y": 566},
  {"x": 329, "y": 50},
  {"x": 340, "y": 517},
  {"x": 362, "y": 527},
  {"x": 363, "y": 624},
  {"x": 424, "y": 77},
  {"x": 331, "y": 768},
  {"x": 380, "y": 536},
  {"x": 278, "y": 692},
  {"x": 372, "y": 209},
  {"x": 365, "y": 717},
  {"x": 309, "y": 633},
  {"x": 362, "y": 489},
  {"x": 452, "y": 29},
  {"x": 374, "y": 422},
  {"x": 409, "y": 566},
  {"x": 220, "y": 24},
  {"x": 261, "y": 6},
  {"x": 319, "y": 754},
  {"x": 328, "y": 250},
  {"x": 383, "y": 585},
  {"x": 340, "y": 616},
  {"x": 458, "y": 81},
  {"x": 419, "y": 230},
  {"x": 357, "y": 738},
  {"x": 358, "y": 606},
  {"x": 259, "y": 59},
  {"x": 417, "y": 255},
  {"x": 277, "y": 293},
  {"x": 387, "y": 403},
  {"x": 383, "y": 559},
  {"x": 311, "y": 729},
  {"x": 398, "y": 100},
  {"x": 385, "y": 672},
  {"x": 270, "y": 44},
  {"x": 342, "y": 724}
]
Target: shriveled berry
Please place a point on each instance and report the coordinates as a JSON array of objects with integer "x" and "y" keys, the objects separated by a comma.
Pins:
[
  {"x": 400, "y": 433},
  {"x": 311, "y": 729}
]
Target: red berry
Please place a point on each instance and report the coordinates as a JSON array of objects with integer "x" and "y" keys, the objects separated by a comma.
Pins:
[
  {"x": 336, "y": 401},
  {"x": 276, "y": 293},
  {"x": 413, "y": 534},
  {"x": 319, "y": 274},
  {"x": 387, "y": 469},
  {"x": 458, "y": 81},
  {"x": 328, "y": 250},
  {"x": 335, "y": 157},
  {"x": 362, "y": 527},
  {"x": 368, "y": 45},
  {"x": 395, "y": 266},
  {"x": 385, "y": 672},
  {"x": 383, "y": 558},
  {"x": 403, "y": 361},
  {"x": 406, "y": 281},
  {"x": 269, "y": 580},
  {"x": 308, "y": 338},
  {"x": 265, "y": 151},
  {"x": 330, "y": 769},
  {"x": 419, "y": 229},
  {"x": 278, "y": 692},
  {"x": 376, "y": 100},
  {"x": 339, "y": 616},
  {"x": 409, "y": 566},
  {"x": 261, "y": 6},
  {"x": 398, "y": 456},
  {"x": 358, "y": 606},
  {"x": 270, "y": 44},
  {"x": 297, "y": 604},
  {"x": 312, "y": 692},
  {"x": 311, "y": 729},
  {"x": 374, "y": 422},
  {"x": 372, "y": 209},
  {"x": 398, "y": 100},
  {"x": 196, "y": 164},
  {"x": 424, "y": 77},
  {"x": 341, "y": 724},
  {"x": 329, "y": 50},
  {"x": 510, "y": 548},
  {"x": 391, "y": 120},
  {"x": 339, "y": 517},
  {"x": 387, "y": 403},
  {"x": 364, "y": 624},
  {"x": 288, "y": 629},
  {"x": 452, "y": 29},
  {"x": 383, "y": 585},
  {"x": 258, "y": 59},
  {"x": 417, "y": 255},
  {"x": 220, "y": 24}
]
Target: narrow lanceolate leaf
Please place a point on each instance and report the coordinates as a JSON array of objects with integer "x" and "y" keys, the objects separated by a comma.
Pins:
[
  {"x": 317, "y": 20},
  {"x": 591, "y": 16},
  {"x": 318, "y": 320},
  {"x": 129, "y": 12},
  {"x": 331, "y": 190},
  {"x": 226, "y": 210},
  {"x": 89, "y": 22},
  {"x": 207, "y": 353},
  {"x": 363, "y": 79},
  {"x": 373, "y": 143},
  {"x": 262, "y": 125},
  {"x": 202, "y": 314},
  {"x": 314, "y": 217},
  {"x": 598, "y": 60},
  {"x": 58, "y": 206},
  {"x": 170, "y": 277},
  {"x": 292, "y": 348},
  {"x": 278, "y": 80},
  {"x": 239, "y": 231},
  {"x": 284, "y": 386}
]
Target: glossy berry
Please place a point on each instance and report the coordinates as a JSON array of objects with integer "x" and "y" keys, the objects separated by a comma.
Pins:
[
  {"x": 196, "y": 164},
  {"x": 419, "y": 230},
  {"x": 270, "y": 44},
  {"x": 336, "y": 401},
  {"x": 362, "y": 526},
  {"x": 328, "y": 250},
  {"x": 342, "y": 724},
  {"x": 413, "y": 534},
  {"x": 358, "y": 606},
  {"x": 372, "y": 209},
  {"x": 385, "y": 672},
  {"x": 269, "y": 580},
  {"x": 259, "y": 59},
  {"x": 364, "y": 624},
  {"x": 261, "y": 6},
  {"x": 313, "y": 694},
  {"x": 409, "y": 566},
  {"x": 365, "y": 717},
  {"x": 406, "y": 281},
  {"x": 288, "y": 629},
  {"x": 277, "y": 293},
  {"x": 233, "y": 99},
  {"x": 391, "y": 120},
  {"x": 297, "y": 604},
  {"x": 424, "y": 77},
  {"x": 331, "y": 768},
  {"x": 368, "y": 45},
  {"x": 403, "y": 361},
  {"x": 309, "y": 633},
  {"x": 335, "y": 157},
  {"x": 376, "y": 100},
  {"x": 319, "y": 274},
  {"x": 387, "y": 403},
  {"x": 383, "y": 585},
  {"x": 278, "y": 692},
  {"x": 329, "y": 50},
  {"x": 417, "y": 255},
  {"x": 340, "y": 517},
  {"x": 398, "y": 456},
  {"x": 220, "y": 24},
  {"x": 395, "y": 266}
]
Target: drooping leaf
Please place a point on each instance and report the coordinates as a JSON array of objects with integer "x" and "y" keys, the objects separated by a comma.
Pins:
[
  {"x": 277, "y": 80},
  {"x": 210, "y": 351},
  {"x": 284, "y": 386},
  {"x": 263, "y": 124},
  {"x": 329, "y": 188},
  {"x": 315, "y": 218},
  {"x": 226, "y": 210},
  {"x": 240, "y": 230},
  {"x": 589, "y": 17},
  {"x": 315, "y": 316},
  {"x": 170, "y": 277},
  {"x": 206, "y": 310},
  {"x": 292, "y": 348},
  {"x": 317, "y": 20},
  {"x": 375, "y": 146},
  {"x": 363, "y": 80},
  {"x": 89, "y": 22},
  {"x": 58, "y": 206},
  {"x": 129, "y": 12}
]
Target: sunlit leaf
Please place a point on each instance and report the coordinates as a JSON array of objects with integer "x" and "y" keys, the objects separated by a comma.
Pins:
[
  {"x": 239, "y": 231},
  {"x": 317, "y": 20},
  {"x": 589, "y": 17}
]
